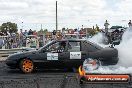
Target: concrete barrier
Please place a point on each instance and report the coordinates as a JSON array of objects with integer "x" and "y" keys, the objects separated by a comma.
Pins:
[
  {"x": 3, "y": 58},
  {"x": 7, "y": 52}
]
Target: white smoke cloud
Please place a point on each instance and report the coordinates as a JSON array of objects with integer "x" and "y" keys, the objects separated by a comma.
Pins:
[
  {"x": 113, "y": 70},
  {"x": 124, "y": 64},
  {"x": 98, "y": 39},
  {"x": 125, "y": 49}
]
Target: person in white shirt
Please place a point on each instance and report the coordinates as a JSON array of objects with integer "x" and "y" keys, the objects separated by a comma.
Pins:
[{"x": 106, "y": 24}]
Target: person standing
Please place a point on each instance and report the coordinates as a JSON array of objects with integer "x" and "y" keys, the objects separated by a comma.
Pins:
[
  {"x": 129, "y": 24},
  {"x": 30, "y": 32},
  {"x": 21, "y": 37},
  {"x": 34, "y": 32},
  {"x": 25, "y": 33},
  {"x": 1, "y": 43},
  {"x": 21, "y": 34},
  {"x": 54, "y": 34},
  {"x": 106, "y": 24}
]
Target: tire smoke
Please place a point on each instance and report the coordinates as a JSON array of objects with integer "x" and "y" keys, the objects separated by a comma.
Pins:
[
  {"x": 124, "y": 64},
  {"x": 125, "y": 49}
]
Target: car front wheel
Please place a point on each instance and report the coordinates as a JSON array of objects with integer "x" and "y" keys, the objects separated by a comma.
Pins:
[{"x": 26, "y": 66}]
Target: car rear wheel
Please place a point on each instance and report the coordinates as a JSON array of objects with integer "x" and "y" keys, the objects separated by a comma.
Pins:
[{"x": 26, "y": 66}]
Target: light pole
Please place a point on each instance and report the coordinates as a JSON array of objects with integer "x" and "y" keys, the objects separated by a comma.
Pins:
[
  {"x": 41, "y": 26},
  {"x": 56, "y": 18},
  {"x": 22, "y": 25},
  {"x": 82, "y": 26}
]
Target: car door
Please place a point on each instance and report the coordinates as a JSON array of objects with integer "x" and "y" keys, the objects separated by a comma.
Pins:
[
  {"x": 74, "y": 54},
  {"x": 54, "y": 53}
]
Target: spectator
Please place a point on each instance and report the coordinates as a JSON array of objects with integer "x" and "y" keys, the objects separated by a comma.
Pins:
[
  {"x": 106, "y": 24},
  {"x": 1, "y": 34},
  {"x": 20, "y": 38},
  {"x": 1, "y": 43},
  {"x": 130, "y": 24},
  {"x": 54, "y": 34},
  {"x": 121, "y": 33},
  {"x": 30, "y": 32},
  {"x": 25, "y": 33},
  {"x": 21, "y": 34},
  {"x": 34, "y": 32}
]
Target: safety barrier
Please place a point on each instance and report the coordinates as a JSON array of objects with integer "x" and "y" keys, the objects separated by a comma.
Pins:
[{"x": 7, "y": 52}]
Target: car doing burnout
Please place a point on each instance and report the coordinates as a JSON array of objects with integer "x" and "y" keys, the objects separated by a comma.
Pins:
[{"x": 62, "y": 54}]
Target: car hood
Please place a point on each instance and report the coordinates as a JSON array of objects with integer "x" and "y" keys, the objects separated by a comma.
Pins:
[{"x": 21, "y": 54}]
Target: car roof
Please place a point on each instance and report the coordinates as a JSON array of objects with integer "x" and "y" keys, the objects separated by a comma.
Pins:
[
  {"x": 76, "y": 40},
  {"x": 72, "y": 40},
  {"x": 116, "y": 27}
]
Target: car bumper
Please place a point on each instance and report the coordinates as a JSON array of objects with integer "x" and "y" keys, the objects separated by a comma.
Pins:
[{"x": 110, "y": 61}]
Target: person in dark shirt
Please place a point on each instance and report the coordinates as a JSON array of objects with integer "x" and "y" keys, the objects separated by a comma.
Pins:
[
  {"x": 62, "y": 46},
  {"x": 30, "y": 32},
  {"x": 54, "y": 34},
  {"x": 129, "y": 23}
]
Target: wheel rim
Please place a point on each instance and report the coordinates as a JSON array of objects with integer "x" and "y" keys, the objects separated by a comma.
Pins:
[{"x": 27, "y": 66}]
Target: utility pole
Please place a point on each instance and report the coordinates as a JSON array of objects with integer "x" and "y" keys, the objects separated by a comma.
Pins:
[
  {"x": 41, "y": 26},
  {"x": 56, "y": 18},
  {"x": 22, "y": 25}
]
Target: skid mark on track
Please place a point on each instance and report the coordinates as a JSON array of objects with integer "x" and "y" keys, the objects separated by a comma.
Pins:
[
  {"x": 42, "y": 81},
  {"x": 15, "y": 79}
]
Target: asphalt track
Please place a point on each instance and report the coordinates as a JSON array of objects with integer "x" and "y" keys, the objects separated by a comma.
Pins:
[{"x": 46, "y": 79}]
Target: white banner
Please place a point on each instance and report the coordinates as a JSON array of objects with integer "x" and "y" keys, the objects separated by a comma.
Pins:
[{"x": 52, "y": 56}]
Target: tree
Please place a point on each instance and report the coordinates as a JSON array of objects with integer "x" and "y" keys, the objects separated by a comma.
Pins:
[
  {"x": 8, "y": 27},
  {"x": 45, "y": 30},
  {"x": 42, "y": 31}
]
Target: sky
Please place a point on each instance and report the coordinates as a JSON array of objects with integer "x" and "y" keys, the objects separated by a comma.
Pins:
[{"x": 30, "y": 14}]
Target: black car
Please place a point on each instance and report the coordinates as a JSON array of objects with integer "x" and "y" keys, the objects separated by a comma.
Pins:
[{"x": 62, "y": 54}]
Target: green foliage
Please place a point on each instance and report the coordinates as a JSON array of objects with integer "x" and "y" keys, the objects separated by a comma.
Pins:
[
  {"x": 42, "y": 31},
  {"x": 8, "y": 27},
  {"x": 93, "y": 32}
]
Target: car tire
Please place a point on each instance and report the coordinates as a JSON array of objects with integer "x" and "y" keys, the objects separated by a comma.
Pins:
[{"x": 26, "y": 65}]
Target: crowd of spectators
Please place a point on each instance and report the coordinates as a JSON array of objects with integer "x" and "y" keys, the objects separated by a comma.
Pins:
[
  {"x": 14, "y": 40},
  {"x": 26, "y": 33}
]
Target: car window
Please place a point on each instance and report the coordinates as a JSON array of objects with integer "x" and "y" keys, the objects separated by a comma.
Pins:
[
  {"x": 74, "y": 46},
  {"x": 48, "y": 43},
  {"x": 57, "y": 47}
]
